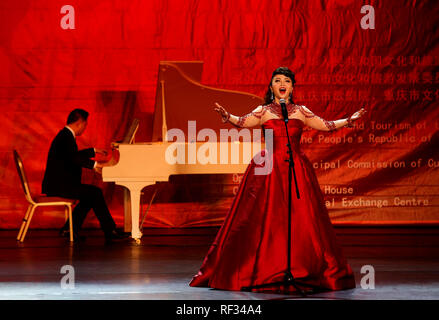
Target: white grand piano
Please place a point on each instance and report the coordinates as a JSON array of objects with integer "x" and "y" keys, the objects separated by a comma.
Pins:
[{"x": 179, "y": 91}]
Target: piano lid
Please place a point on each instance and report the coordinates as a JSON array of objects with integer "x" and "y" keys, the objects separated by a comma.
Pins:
[{"x": 181, "y": 97}]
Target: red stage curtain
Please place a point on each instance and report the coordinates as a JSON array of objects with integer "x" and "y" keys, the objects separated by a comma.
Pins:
[{"x": 384, "y": 171}]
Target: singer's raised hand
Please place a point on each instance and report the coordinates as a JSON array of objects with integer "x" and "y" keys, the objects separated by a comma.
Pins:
[
  {"x": 223, "y": 113},
  {"x": 357, "y": 115}
]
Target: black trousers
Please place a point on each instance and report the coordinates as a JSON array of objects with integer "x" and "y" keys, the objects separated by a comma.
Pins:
[{"x": 90, "y": 197}]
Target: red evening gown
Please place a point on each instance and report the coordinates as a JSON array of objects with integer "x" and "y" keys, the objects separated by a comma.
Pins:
[{"x": 251, "y": 246}]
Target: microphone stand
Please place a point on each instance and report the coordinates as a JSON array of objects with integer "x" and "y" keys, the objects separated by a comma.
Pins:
[{"x": 288, "y": 276}]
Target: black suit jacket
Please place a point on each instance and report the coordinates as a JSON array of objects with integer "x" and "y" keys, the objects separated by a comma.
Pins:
[{"x": 64, "y": 165}]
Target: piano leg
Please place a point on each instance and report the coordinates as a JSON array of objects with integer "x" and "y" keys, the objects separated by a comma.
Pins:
[
  {"x": 127, "y": 210},
  {"x": 135, "y": 191}
]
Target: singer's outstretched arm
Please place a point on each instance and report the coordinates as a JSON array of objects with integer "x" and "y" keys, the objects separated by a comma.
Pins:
[
  {"x": 250, "y": 120},
  {"x": 315, "y": 122},
  {"x": 318, "y": 123}
]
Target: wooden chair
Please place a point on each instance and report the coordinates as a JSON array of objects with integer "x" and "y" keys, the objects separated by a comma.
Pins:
[{"x": 39, "y": 201}]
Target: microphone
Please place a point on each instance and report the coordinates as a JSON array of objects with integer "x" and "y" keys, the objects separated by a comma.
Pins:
[{"x": 284, "y": 109}]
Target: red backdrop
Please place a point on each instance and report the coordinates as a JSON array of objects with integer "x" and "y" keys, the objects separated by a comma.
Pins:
[{"x": 384, "y": 171}]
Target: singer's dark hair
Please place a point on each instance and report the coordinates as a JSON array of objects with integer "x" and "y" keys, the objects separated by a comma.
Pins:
[{"x": 287, "y": 73}]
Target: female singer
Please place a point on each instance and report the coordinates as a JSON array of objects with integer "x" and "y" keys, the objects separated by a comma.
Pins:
[{"x": 251, "y": 247}]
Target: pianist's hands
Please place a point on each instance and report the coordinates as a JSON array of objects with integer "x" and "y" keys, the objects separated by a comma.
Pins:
[
  {"x": 223, "y": 113},
  {"x": 101, "y": 164},
  {"x": 101, "y": 151}
]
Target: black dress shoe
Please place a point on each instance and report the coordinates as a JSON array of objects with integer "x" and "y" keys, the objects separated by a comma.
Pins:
[
  {"x": 115, "y": 235},
  {"x": 122, "y": 234}
]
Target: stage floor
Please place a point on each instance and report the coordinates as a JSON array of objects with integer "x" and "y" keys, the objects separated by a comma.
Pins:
[{"x": 405, "y": 262}]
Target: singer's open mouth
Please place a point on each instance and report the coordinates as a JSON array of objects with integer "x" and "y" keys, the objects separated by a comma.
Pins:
[{"x": 282, "y": 90}]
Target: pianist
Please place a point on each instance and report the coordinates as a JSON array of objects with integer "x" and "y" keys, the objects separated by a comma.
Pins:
[{"x": 62, "y": 177}]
